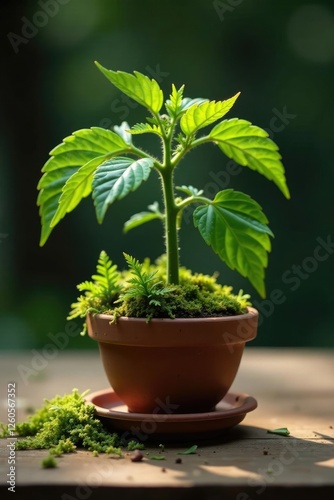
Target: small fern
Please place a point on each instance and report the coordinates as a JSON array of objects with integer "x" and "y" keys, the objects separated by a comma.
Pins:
[
  {"x": 143, "y": 283},
  {"x": 141, "y": 292},
  {"x": 107, "y": 277},
  {"x": 100, "y": 293}
]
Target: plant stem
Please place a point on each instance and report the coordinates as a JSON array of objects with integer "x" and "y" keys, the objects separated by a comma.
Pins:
[
  {"x": 171, "y": 211},
  {"x": 193, "y": 199},
  {"x": 171, "y": 236},
  {"x": 197, "y": 142}
]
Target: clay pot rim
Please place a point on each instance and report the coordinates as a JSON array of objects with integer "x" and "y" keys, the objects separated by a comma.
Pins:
[
  {"x": 251, "y": 313},
  {"x": 184, "y": 332}
]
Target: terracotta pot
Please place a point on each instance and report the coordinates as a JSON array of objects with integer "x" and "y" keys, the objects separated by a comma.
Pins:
[{"x": 172, "y": 366}]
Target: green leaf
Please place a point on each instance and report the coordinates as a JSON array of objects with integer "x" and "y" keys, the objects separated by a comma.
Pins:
[
  {"x": 70, "y": 158},
  {"x": 144, "y": 128},
  {"x": 77, "y": 187},
  {"x": 189, "y": 451},
  {"x": 282, "y": 431},
  {"x": 138, "y": 86},
  {"x": 236, "y": 229},
  {"x": 143, "y": 217},
  {"x": 251, "y": 147},
  {"x": 51, "y": 185},
  {"x": 80, "y": 148},
  {"x": 205, "y": 113},
  {"x": 174, "y": 104},
  {"x": 190, "y": 190},
  {"x": 85, "y": 142},
  {"x": 139, "y": 219},
  {"x": 115, "y": 178},
  {"x": 157, "y": 457},
  {"x": 177, "y": 108}
]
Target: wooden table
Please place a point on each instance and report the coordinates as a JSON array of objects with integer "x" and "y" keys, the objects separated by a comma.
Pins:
[{"x": 294, "y": 389}]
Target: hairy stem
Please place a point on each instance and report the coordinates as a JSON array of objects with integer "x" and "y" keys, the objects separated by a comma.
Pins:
[
  {"x": 193, "y": 199},
  {"x": 171, "y": 211},
  {"x": 191, "y": 145},
  {"x": 171, "y": 233}
]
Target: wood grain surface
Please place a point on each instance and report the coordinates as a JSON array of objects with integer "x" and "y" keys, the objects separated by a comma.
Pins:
[{"x": 294, "y": 389}]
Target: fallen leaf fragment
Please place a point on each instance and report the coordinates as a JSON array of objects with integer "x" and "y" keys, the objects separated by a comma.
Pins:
[
  {"x": 189, "y": 451},
  {"x": 282, "y": 431}
]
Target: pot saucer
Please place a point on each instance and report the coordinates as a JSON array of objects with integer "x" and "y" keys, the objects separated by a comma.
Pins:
[{"x": 230, "y": 411}]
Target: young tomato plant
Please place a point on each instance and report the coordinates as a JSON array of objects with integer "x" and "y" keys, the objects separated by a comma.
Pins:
[{"x": 108, "y": 164}]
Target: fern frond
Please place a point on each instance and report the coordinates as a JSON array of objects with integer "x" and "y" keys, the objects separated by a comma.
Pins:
[
  {"x": 143, "y": 283},
  {"x": 98, "y": 295},
  {"x": 87, "y": 286},
  {"x": 107, "y": 276}
]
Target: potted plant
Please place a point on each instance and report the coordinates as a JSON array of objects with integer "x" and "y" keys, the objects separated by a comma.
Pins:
[{"x": 166, "y": 334}]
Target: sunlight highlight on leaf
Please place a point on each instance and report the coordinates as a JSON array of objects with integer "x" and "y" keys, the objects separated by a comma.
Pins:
[
  {"x": 251, "y": 147},
  {"x": 203, "y": 114},
  {"x": 137, "y": 86}
]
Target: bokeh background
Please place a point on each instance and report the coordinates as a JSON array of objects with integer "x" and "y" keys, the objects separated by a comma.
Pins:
[{"x": 279, "y": 54}]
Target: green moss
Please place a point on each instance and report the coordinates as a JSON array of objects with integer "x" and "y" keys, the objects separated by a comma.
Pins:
[
  {"x": 134, "y": 445},
  {"x": 198, "y": 295},
  {"x": 63, "y": 446},
  {"x": 183, "y": 301},
  {"x": 64, "y": 424},
  {"x": 49, "y": 462},
  {"x": 141, "y": 292}
]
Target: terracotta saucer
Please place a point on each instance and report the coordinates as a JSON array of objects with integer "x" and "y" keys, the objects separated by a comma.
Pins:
[{"x": 230, "y": 411}]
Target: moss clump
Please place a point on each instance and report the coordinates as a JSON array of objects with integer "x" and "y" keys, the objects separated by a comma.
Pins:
[
  {"x": 134, "y": 445},
  {"x": 141, "y": 292},
  {"x": 197, "y": 296},
  {"x": 182, "y": 301},
  {"x": 64, "y": 424},
  {"x": 49, "y": 462}
]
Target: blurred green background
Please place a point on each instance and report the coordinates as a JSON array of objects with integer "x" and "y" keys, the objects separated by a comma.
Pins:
[{"x": 280, "y": 55}]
